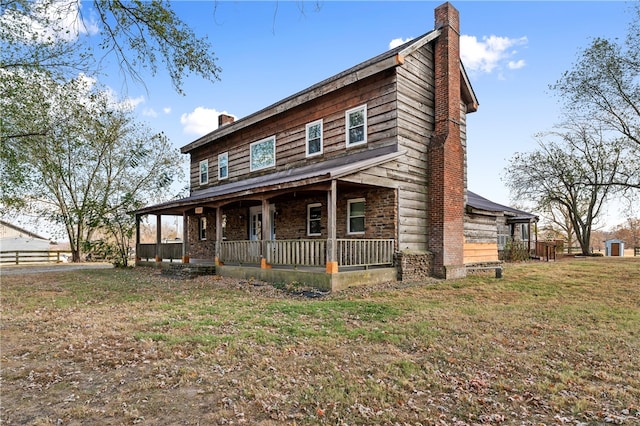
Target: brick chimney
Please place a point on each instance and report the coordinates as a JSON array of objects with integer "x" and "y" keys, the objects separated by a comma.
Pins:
[
  {"x": 446, "y": 152},
  {"x": 224, "y": 119}
]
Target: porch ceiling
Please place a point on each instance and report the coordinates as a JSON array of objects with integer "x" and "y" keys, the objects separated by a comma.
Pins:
[{"x": 306, "y": 176}]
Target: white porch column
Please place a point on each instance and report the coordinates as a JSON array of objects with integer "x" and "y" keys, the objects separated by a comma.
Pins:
[{"x": 332, "y": 249}]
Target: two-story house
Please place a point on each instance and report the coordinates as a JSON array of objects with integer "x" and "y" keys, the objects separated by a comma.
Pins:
[{"x": 356, "y": 179}]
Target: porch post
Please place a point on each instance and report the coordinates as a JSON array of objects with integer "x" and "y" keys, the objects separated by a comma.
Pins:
[
  {"x": 216, "y": 257},
  {"x": 185, "y": 237},
  {"x": 265, "y": 235},
  {"x": 332, "y": 258},
  {"x": 158, "y": 238},
  {"x": 137, "y": 259}
]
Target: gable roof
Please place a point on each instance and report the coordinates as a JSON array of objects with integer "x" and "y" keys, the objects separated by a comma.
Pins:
[
  {"x": 389, "y": 59},
  {"x": 478, "y": 202},
  {"x": 22, "y": 230}
]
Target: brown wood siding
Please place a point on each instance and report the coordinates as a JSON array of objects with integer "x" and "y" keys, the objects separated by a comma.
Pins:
[
  {"x": 416, "y": 125},
  {"x": 378, "y": 92}
]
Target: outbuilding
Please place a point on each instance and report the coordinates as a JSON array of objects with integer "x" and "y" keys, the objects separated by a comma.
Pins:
[{"x": 614, "y": 247}]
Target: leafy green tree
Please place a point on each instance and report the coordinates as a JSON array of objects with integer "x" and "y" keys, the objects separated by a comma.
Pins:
[
  {"x": 570, "y": 172},
  {"x": 51, "y": 36},
  {"x": 93, "y": 165}
]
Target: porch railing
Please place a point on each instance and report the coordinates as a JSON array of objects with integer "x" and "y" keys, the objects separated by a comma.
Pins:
[
  {"x": 297, "y": 252},
  {"x": 170, "y": 251},
  {"x": 241, "y": 251},
  {"x": 350, "y": 252},
  {"x": 363, "y": 252}
]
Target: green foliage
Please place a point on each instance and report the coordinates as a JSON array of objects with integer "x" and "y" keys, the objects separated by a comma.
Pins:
[
  {"x": 515, "y": 251},
  {"x": 92, "y": 165}
]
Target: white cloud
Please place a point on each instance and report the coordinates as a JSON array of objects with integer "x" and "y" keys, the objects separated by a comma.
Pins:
[
  {"x": 132, "y": 103},
  {"x": 398, "y": 41},
  {"x": 200, "y": 121},
  {"x": 166, "y": 110},
  {"x": 149, "y": 112},
  {"x": 516, "y": 65},
  {"x": 490, "y": 53}
]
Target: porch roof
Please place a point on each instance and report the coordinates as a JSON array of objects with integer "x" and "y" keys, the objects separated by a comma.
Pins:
[
  {"x": 479, "y": 203},
  {"x": 284, "y": 179}
]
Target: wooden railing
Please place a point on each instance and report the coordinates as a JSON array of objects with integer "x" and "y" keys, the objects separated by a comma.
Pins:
[
  {"x": 546, "y": 250},
  {"x": 297, "y": 252},
  {"x": 33, "y": 256},
  {"x": 170, "y": 251},
  {"x": 241, "y": 251},
  {"x": 361, "y": 252},
  {"x": 350, "y": 252}
]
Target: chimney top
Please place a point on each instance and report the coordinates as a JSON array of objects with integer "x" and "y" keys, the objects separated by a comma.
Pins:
[{"x": 224, "y": 119}]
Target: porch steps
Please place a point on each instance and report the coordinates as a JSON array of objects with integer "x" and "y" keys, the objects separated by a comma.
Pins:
[{"x": 187, "y": 270}]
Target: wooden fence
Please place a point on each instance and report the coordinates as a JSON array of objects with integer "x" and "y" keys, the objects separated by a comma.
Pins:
[{"x": 33, "y": 256}]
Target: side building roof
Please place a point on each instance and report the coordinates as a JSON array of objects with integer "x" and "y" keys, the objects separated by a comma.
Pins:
[{"x": 477, "y": 202}]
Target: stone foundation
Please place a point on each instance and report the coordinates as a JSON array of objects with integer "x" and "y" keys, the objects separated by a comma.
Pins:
[
  {"x": 413, "y": 266},
  {"x": 187, "y": 270}
]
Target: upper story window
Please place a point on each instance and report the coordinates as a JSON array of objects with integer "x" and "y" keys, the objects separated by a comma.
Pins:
[
  {"x": 356, "y": 125},
  {"x": 223, "y": 166},
  {"x": 204, "y": 172},
  {"x": 314, "y": 214},
  {"x": 314, "y": 138},
  {"x": 355, "y": 209},
  {"x": 262, "y": 154}
]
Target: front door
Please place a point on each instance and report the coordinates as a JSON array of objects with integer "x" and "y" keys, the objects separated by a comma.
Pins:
[
  {"x": 615, "y": 249},
  {"x": 255, "y": 222}
]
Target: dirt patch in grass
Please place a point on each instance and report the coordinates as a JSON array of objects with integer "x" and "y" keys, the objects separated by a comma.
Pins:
[{"x": 550, "y": 343}]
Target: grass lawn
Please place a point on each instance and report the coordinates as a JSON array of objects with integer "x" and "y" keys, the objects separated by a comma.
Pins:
[{"x": 550, "y": 343}]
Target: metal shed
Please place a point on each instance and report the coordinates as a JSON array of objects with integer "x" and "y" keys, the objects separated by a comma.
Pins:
[{"x": 614, "y": 247}]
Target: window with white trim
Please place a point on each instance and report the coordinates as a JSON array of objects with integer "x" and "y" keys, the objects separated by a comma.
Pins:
[
  {"x": 204, "y": 172},
  {"x": 355, "y": 212},
  {"x": 314, "y": 215},
  {"x": 356, "y": 125},
  {"x": 202, "y": 228},
  {"x": 223, "y": 166},
  {"x": 314, "y": 138},
  {"x": 262, "y": 154}
]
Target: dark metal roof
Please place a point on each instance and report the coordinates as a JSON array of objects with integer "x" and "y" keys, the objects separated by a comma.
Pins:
[
  {"x": 480, "y": 203},
  {"x": 295, "y": 177}
]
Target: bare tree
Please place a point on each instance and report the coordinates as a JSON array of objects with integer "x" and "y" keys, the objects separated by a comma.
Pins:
[{"x": 570, "y": 172}]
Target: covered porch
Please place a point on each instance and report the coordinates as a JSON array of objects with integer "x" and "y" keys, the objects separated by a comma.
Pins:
[{"x": 314, "y": 228}]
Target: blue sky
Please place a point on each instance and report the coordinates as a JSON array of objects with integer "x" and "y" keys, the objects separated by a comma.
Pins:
[{"x": 269, "y": 50}]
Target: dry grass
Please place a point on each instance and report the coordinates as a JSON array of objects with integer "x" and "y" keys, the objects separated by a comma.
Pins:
[{"x": 551, "y": 343}]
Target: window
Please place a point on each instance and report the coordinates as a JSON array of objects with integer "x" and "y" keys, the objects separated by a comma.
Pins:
[
  {"x": 314, "y": 138},
  {"x": 524, "y": 231},
  {"x": 314, "y": 213},
  {"x": 262, "y": 154},
  {"x": 223, "y": 166},
  {"x": 355, "y": 208},
  {"x": 204, "y": 172},
  {"x": 202, "y": 228},
  {"x": 356, "y": 126}
]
